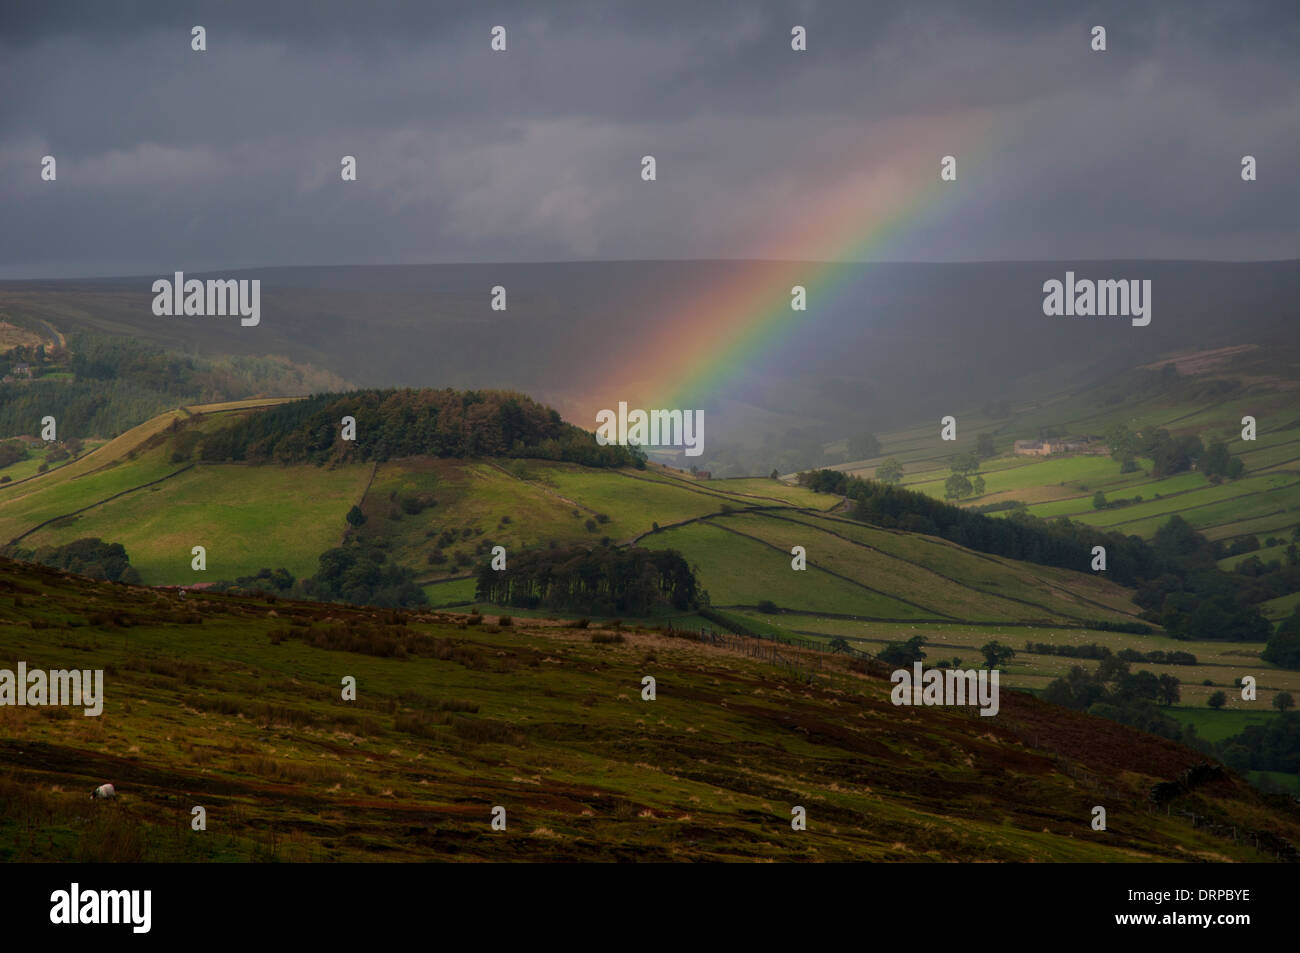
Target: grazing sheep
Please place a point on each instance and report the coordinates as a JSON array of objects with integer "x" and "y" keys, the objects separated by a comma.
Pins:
[{"x": 103, "y": 791}]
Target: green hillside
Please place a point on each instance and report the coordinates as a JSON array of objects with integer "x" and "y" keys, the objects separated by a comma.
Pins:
[
  {"x": 1201, "y": 395},
  {"x": 234, "y": 704},
  {"x": 439, "y": 517},
  {"x": 145, "y": 492}
]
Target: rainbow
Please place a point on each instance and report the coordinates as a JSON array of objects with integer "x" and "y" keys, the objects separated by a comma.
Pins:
[{"x": 701, "y": 344}]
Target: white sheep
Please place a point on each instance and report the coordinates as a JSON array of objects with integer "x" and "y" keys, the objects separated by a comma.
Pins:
[{"x": 103, "y": 791}]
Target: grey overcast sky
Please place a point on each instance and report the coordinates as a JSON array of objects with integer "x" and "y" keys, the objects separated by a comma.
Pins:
[{"x": 170, "y": 159}]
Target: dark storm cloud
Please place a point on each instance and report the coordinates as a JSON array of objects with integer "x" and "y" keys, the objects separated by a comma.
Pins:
[{"x": 173, "y": 159}]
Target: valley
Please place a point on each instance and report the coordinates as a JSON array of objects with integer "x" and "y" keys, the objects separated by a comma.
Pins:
[
  {"x": 439, "y": 517},
  {"x": 764, "y": 677}
]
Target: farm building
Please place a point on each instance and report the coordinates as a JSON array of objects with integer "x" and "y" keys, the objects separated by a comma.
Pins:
[
  {"x": 19, "y": 371},
  {"x": 1043, "y": 448},
  {"x": 1031, "y": 448}
]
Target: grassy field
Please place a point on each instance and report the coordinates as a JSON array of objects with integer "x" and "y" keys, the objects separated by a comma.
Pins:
[
  {"x": 136, "y": 490},
  {"x": 25, "y": 469},
  {"x": 523, "y": 504},
  {"x": 1247, "y": 497},
  {"x": 140, "y": 456},
  {"x": 1277, "y": 779},
  {"x": 471, "y": 500},
  {"x": 960, "y": 586},
  {"x": 740, "y": 570},
  {"x": 26, "y": 506},
  {"x": 227, "y": 509},
  {"x": 1061, "y": 472},
  {"x": 1278, "y": 523},
  {"x": 1065, "y": 593},
  {"x": 1282, "y": 606},
  {"x": 235, "y": 704},
  {"x": 1220, "y": 663},
  {"x": 450, "y": 592},
  {"x": 1218, "y": 725}
]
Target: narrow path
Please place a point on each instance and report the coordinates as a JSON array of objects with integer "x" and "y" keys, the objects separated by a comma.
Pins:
[{"x": 63, "y": 341}]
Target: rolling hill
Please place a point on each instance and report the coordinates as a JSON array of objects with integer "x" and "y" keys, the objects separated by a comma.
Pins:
[
  {"x": 144, "y": 491},
  {"x": 1203, "y": 394},
  {"x": 233, "y": 703},
  {"x": 440, "y": 517}
]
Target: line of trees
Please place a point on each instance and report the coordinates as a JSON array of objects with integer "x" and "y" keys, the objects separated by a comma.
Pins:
[
  {"x": 905, "y": 654},
  {"x": 602, "y": 580},
  {"x": 1170, "y": 455},
  {"x": 1178, "y": 584},
  {"x": 1112, "y": 691},
  {"x": 1094, "y": 651},
  {"x": 1058, "y": 543},
  {"x": 1124, "y": 696},
  {"x": 361, "y": 575},
  {"x": 352, "y": 573}
]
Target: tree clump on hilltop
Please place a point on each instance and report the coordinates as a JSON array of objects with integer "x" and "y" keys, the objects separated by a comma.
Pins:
[{"x": 404, "y": 423}]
